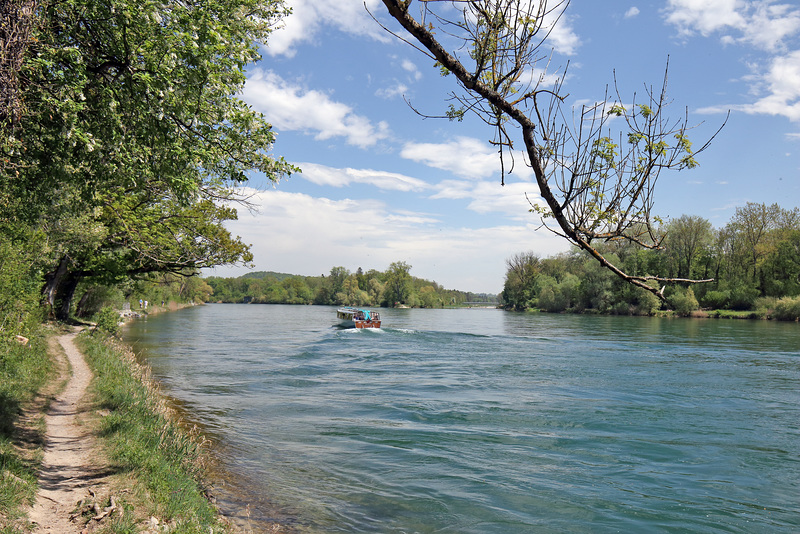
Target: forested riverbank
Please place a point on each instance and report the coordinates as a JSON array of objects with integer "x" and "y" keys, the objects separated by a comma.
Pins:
[
  {"x": 751, "y": 266},
  {"x": 394, "y": 286}
]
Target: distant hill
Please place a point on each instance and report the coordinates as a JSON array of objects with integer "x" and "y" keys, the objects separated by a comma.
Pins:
[{"x": 263, "y": 274}]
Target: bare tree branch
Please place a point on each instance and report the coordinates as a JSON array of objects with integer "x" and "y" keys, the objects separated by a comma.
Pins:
[{"x": 598, "y": 183}]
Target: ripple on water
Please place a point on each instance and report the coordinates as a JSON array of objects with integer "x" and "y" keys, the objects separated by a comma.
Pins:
[{"x": 488, "y": 422}]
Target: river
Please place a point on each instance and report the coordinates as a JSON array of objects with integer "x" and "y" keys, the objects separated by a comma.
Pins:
[{"x": 484, "y": 421}]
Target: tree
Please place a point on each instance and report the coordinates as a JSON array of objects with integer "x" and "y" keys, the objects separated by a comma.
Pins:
[
  {"x": 753, "y": 223},
  {"x": 522, "y": 271},
  {"x": 132, "y": 121},
  {"x": 593, "y": 189},
  {"x": 336, "y": 280},
  {"x": 398, "y": 283},
  {"x": 686, "y": 237},
  {"x": 16, "y": 18},
  {"x": 428, "y": 297},
  {"x": 131, "y": 237}
]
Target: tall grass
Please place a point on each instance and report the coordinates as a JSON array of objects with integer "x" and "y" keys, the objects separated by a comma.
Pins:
[
  {"x": 143, "y": 440},
  {"x": 23, "y": 372}
]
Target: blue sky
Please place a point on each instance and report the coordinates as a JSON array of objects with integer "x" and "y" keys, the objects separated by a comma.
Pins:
[{"x": 381, "y": 184}]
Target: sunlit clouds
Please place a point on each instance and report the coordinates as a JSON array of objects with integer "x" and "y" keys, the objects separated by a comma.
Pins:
[
  {"x": 381, "y": 181},
  {"x": 291, "y": 107},
  {"x": 302, "y": 234}
]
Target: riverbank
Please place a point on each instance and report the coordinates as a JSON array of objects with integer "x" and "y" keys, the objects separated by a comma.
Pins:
[
  {"x": 158, "y": 466},
  {"x": 792, "y": 315},
  {"x": 108, "y": 443}
]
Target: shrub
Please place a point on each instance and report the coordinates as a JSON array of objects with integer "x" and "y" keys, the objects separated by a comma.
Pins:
[
  {"x": 644, "y": 302},
  {"x": 764, "y": 306},
  {"x": 107, "y": 321},
  {"x": 787, "y": 309},
  {"x": 684, "y": 302},
  {"x": 742, "y": 298},
  {"x": 716, "y": 299}
]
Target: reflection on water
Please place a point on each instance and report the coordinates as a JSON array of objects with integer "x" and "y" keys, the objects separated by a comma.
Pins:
[{"x": 490, "y": 422}]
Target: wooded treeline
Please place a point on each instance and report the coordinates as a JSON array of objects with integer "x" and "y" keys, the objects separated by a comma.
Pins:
[
  {"x": 394, "y": 286},
  {"x": 754, "y": 262}
]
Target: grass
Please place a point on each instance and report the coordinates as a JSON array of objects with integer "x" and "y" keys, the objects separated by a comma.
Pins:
[
  {"x": 162, "y": 461},
  {"x": 24, "y": 370}
]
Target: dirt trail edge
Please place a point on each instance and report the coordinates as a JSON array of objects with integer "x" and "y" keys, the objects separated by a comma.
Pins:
[{"x": 69, "y": 468}]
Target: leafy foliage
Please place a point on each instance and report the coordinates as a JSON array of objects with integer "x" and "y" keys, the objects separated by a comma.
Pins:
[
  {"x": 133, "y": 138},
  {"x": 107, "y": 321},
  {"x": 746, "y": 269},
  {"x": 341, "y": 287}
]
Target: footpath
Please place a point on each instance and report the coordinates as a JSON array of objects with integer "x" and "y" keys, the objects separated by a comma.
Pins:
[{"x": 70, "y": 472}]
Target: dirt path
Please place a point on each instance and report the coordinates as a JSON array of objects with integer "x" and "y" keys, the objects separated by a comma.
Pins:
[{"x": 69, "y": 469}]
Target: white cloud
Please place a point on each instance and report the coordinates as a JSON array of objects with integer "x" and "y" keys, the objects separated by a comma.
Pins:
[
  {"x": 466, "y": 157},
  {"x": 562, "y": 37},
  {"x": 770, "y": 25},
  {"x": 781, "y": 85},
  {"x": 761, "y": 23},
  {"x": 398, "y": 89},
  {"x": 704, "y": 16},
  {"x": 513, "y": 199},
  {"x": 300, "y": 234},
  {"x": 783, "y": 80},
  {"x": 410, "y": 67},
  {"x": 309, "y": 16},
  {"x": 291, "y": 107},
  {"x": 632, "y": 12},
  {"x": 323, "y": 175}
]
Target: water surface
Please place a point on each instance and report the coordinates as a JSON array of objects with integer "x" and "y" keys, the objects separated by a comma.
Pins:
[{"x": 483, "y": 421}]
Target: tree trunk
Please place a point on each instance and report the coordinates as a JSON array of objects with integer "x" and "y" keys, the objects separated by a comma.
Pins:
[
  {"x": 51, "y": 282},
  {"x": 64, "y": 295},
  {"x": 79, "y": 309}
]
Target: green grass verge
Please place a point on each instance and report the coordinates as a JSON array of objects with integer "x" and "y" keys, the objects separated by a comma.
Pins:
[
  {"x": 24, "y": 369},
  {"x": 142, "y": 440}
]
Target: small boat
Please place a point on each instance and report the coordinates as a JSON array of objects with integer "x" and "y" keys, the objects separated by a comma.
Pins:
[{"x": 350, "y": 317}]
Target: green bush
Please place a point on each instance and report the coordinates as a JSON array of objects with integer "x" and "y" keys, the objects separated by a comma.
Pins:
[
  {"x": 715, "y": 299},
  {"x": 107, "y": 321},
  {"x": 647, "y": 303},
  {"x": 787, "y": 309},
  {"x": 765, "y": 305},
  {"x": 19, "y": 288},
  {"x": 683, "y": 301},
  {"x": 743, "y": 298}
]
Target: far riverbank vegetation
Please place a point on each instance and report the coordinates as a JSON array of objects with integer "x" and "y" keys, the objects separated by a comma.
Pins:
[
  {"x": 393, "y": 287},
  {"x": 752, "y": 265}
]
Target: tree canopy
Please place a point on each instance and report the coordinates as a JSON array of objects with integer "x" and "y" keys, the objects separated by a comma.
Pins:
[
  {"x": 596, "y": 167},
  {"x": 130, "y": 139},
  {"x": 394, "y": 286},
  {"x": 754, "y": 260}
]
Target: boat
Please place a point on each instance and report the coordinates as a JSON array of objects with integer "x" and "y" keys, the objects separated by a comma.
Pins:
[{"x": 350, "y": 317}]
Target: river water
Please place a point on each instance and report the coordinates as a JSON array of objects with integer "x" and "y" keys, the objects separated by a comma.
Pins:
[{"x": 484, "y": 421}]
